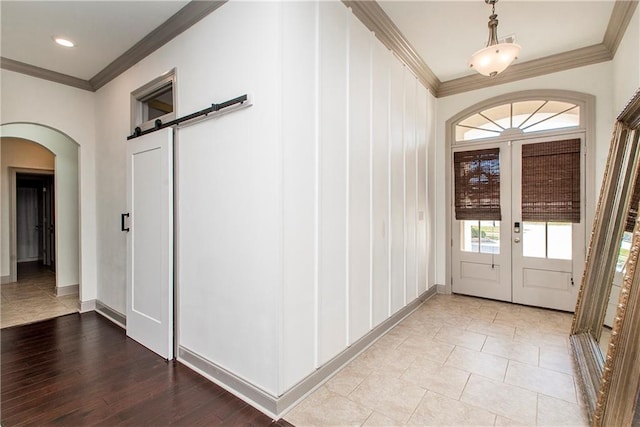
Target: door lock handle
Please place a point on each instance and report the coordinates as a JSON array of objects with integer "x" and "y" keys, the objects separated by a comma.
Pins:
[
  {"x": 516, "y": 240},
  {"x": 122, "y": 221}
]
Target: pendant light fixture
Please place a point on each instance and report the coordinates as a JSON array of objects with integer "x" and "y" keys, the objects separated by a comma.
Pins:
[{"x": 496, "y": 57}]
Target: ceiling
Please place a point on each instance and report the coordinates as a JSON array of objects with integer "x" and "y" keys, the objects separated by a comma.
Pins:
[
  {"x": 443, "y": 33},
  {"x": 102, "y": 30}
]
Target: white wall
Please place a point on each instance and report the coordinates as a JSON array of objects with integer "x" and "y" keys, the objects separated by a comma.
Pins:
[
  {"x": 229, "y": 186},
  {"x": 433, "y": 181},
  {"x": 595, "y": 80},
  {"x": 354, "y": 138},
  {"x": 16, "y": 153},
  {"x": 69, "y": 113},
  {"x": 626, "y": 65}
]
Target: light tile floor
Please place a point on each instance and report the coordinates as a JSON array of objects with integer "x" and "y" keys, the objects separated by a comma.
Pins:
[
  {"x": 33, "y": 298},
  {"x": 457, "y": 361}
]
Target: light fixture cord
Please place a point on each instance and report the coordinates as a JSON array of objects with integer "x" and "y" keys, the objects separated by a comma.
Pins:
[{"x": 493, "y": 25}]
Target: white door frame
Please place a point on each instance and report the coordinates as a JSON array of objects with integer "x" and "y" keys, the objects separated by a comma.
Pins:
[{"x": 587, "y": 125}]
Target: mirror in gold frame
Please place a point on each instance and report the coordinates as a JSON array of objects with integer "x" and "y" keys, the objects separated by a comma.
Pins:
[{"x": 609, "y": 379}]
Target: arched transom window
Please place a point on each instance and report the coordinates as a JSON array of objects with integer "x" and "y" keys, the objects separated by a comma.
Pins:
[{"x": 517, "y": 118}]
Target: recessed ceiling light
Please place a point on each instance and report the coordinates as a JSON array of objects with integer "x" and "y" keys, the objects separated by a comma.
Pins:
[{"x": 64, "y": 42}]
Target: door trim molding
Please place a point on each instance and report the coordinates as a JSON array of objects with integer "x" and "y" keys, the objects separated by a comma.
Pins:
[{"x": 587, "y": 104}]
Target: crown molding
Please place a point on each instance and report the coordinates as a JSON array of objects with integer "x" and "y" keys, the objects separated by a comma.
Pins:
[
  {"x": 193, "y": 12},
  {"x": 621, "y": 15},
  {"x": 618, "y": 23},
  {"x": 525, "y": 70},
  {"x": 43, "y": 73},
  {"x": 375, "y": 19}
]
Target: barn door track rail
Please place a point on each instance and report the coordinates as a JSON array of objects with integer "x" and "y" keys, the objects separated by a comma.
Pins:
[{"x": 213, "y": 111}]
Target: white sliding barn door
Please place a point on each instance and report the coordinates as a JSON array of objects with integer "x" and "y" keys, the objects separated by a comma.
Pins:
[{"x": 150, "y": 241}]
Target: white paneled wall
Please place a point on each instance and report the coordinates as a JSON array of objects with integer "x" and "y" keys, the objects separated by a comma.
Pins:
[
  {"x": 333, "y": 181},
  {"x": 397, "y": 186},
  {"x": 229, "y": 194},
  {"x": 411, "y": 187},
  {"x": 354, "y": 191},
  {"x": 381, "y": 208},
  {"x": 298, "y": 219},
  {"x": 422, "y": 245},
  {"x": 359, "y": 184},
  {"x": 300, "y": 143}
]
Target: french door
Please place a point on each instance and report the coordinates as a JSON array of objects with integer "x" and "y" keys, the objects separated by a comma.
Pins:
[{"x": 534, "y": 262}]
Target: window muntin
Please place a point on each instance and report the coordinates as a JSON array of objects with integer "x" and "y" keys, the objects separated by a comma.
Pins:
[
  {"x": 520, "y": 117},
  {"x": 499, "y": 115}
]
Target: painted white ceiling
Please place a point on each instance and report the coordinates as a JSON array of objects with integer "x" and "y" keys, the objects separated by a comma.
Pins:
[
  {"x": 444, "y": 33},
  {"x": 103, "y": 30}
]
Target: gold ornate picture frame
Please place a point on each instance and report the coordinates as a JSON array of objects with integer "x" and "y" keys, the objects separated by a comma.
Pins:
[{"x": 610, "y": 381}]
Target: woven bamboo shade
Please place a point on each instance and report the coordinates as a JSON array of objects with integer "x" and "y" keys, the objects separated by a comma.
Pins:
[
  {"x": 477, "y": 185},
  {"x": 551, "y": 181}
]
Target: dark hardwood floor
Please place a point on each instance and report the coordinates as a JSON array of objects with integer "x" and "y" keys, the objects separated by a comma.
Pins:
[{"x": 83, "y": 370}]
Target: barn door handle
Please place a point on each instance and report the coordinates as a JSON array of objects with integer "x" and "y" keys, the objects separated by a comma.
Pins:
[{"x": 122, "y": 220}]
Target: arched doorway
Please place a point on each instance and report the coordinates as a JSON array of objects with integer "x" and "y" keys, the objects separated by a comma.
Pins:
[
  {"x": 520, "y": 197},
  {"x": 65, "y": 204}
]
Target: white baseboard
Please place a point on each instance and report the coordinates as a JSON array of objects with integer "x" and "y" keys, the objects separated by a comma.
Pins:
[
  {"x": 67, "y": 290},
  {"x": 277, "y": 406},
  {"x": 5, "y": 279},
  {"x": 235, "y": 385},
  {"x": 114, "y": 315},
  {"x": 86, "y": 306}
]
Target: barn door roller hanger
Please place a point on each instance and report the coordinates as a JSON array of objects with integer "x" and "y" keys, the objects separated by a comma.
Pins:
[{"x": 215, "y": 110}]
